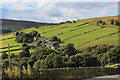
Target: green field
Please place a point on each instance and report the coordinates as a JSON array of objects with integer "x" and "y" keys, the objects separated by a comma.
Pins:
[{"x": 80, "y": 35}]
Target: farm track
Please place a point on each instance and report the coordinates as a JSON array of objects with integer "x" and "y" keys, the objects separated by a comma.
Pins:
[{"x": 99, "y": 38}]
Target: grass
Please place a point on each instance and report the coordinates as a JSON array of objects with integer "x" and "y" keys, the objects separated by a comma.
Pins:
[
  {"x": 111, "y": 66},
  {"x": 88, "y": 37},
  {"x": 11, "y": 42},
  {"x": 69, "y": 36},
  {"x": 5, "y": 36}
]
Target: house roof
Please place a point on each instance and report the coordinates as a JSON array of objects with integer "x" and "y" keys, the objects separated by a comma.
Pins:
[
  {"x": 51, "y": 43},
  {"x": 43, "y": 39}
]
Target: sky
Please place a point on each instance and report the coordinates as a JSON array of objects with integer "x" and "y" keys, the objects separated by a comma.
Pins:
[{"x": 55, "y": 12}]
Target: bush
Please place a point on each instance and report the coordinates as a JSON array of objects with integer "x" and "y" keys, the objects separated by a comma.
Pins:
[
  {"x": 24, "y": 54},
  {"x": 54, "y": 38},
  {"x": 116, "y": 22},
  {"x": 22, "y": 63},
  {"x": 53, "y": 61},
  {"x": 5, "y": 63},
  {"x": 112, "y": 21},
  {"x": 103, "y": 23},
  {"x": 4, "y": 55},
  {"x": 23, "y": 37},
  {"x": 33, "y": 33},
  {"x": 15, "y": 63},
  {"x": 17, "y": 33},
  {"x": 69, "y": 49},
  {"x": 25, "y": 40},
  {"x": 31, "y": 62},
  {"x": 12, "y": 55},
  {"x": 38, "y": 35},
  {"x": 38, "y": 64},
  {"x": 100, "y": 21}
]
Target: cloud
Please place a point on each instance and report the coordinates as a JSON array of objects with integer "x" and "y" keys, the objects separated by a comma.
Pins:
[
  {"x": 60, "y": 0},
  {"x": 57, "y": 11}
]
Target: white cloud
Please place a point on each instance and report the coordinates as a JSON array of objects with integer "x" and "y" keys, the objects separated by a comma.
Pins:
[
  {"x": 56, "y": 11},
  {"x": 60, "y": 0}
]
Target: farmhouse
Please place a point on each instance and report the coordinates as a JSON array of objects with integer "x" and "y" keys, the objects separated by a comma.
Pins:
[
  {"x": 42, "y": 41},
  {"x": 52, "y": 45}
]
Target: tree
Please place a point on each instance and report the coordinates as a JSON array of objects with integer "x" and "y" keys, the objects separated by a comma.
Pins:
[
  {"x": 58, "y": 61},
  {"x": 22, "y": 63},
  {"x": 25, "y": 52},
  {"x": 79, "y": 59},
  {"x": 103, "y": 23},
  {"x": 116, "y": 22},
  {"x": 69, "y": 49},
  {"x": 112, "y": 21},
  {"x": 54, "y": 38},
  {"x": 12, "y": 55},
  {"x": 33, "y": 33},
  {"x": 5, "y": 63},
  {"x": 89, "y": 61},
  {"x": 17, "y": 33},
  {"x": 38, "y": 64},
  {"x": 100, "y": 21},
  {"x": 31, "y": 62},
  {"x": 25, "y": 40},
  {"x": 59, "y": 40},
  {"x": 53, "y": 61},
  {"x": 72, "y": 59},
  {"x": 38, "y": 35},
  {"x": 97, "y": 22}
]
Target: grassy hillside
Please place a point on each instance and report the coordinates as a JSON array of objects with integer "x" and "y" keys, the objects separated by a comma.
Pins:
[
  {"x": 14, "y": 25},
  {"x": 82, "y": 34}
]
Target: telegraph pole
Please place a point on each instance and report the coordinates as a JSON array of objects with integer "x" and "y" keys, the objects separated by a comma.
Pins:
[
  {"x": 109, "y": 60},
  {"x": 9, "y": 55}
]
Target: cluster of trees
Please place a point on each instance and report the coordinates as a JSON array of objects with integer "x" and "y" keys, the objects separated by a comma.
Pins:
[
  {"x": 68, "y": 56},
  {"x": 3, "y": 31},
  {"x": 68, "y": 22},
  {"x": 106, "y": 51},
  {"x": 54, "y": 38},
  {"x": 114, "y": 22},
  {"x": 100, "y": 22},
  {"x": 26, "y": 38}
]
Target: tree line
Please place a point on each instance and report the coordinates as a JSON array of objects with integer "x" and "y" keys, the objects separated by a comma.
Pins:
[{"x": 67, "y": 56}]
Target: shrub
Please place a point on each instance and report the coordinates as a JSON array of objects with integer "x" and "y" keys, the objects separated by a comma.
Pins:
[
  {"x": 53, "y": 61},
  {"x": 31, "y": 62},
  {"x": 103, "y": 23},
  {"x": 5, "y": 63},
  {"x": 112, "y": 21},
  {"x": 17, "y": 33},
  {"x": 12, "y": 55},
  {"x": 38, "y": 35},
  {"x": 25, "y": 40},
  {"x": 100, "y": 21},
  {"x": 69, "y": 49},
  {"x": 33, "y": 33},
  {"x": 21, "y": 64},
  {"x": 4, "y": 55},
  {"x": 38, "y": 64},
  {"x": 116, "y": 22}
]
